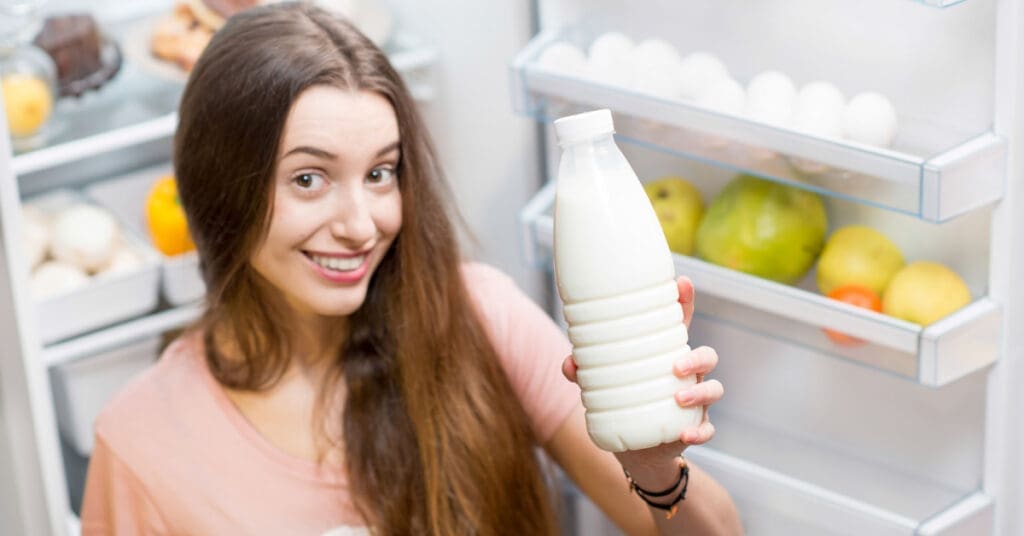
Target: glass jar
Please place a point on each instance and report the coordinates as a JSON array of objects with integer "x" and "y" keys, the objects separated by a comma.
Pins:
[{"x": 29, "y": 84}]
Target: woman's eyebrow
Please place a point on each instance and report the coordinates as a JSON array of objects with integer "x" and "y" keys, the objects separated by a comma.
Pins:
[
  {"x": 319, "y": 153},
  {"x": 387, "y": 149},
  {"x": 327, "y": 155}
]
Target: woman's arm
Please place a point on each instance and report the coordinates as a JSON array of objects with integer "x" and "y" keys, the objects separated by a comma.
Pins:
[{"x": 707, "y": 509}]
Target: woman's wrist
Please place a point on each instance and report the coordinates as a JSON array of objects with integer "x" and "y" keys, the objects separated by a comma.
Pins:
[{"x": 655, "y": 468}]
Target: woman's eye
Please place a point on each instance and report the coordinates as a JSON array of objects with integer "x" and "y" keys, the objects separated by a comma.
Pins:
[
  {"x": 308, "y": 181},
  {"x": 381, "y": 175}
]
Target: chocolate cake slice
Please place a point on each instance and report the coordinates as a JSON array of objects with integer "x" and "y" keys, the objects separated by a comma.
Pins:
[{"x": 73, "y": 41}]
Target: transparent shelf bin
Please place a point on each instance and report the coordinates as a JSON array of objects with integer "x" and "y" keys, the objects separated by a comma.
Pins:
[
  {"x": 140, "y": 103},
  {"x": 782, "y": 483},
  {"x": 964, "y": 342},
  {"x": 932, "y": 172}
]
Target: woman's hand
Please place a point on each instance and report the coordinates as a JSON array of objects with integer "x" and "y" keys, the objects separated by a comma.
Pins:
[{"x": 651, "y": 465}]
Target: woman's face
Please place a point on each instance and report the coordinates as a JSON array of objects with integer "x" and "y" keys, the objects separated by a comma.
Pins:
[{"x": 336, "y": 205}]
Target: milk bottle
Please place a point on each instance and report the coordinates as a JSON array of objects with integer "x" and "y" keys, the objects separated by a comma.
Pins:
[{"x": 616, "y": 278}]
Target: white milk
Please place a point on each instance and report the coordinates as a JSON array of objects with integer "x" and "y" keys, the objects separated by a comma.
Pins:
[{"x": 616, "y": 279}]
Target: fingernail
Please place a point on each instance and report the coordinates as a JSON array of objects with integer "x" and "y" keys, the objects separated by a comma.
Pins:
[
  {"x": 682, "y": 367},
  {"x": 684, "y": 397}
]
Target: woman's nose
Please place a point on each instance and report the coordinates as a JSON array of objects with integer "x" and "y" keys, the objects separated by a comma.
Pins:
[{"x": 352, "y": 222}]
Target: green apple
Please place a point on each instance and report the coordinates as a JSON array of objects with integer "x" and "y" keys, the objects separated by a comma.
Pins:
[
  {"x": 763, "y": 228},
  {"x": 679, "y": 207}
]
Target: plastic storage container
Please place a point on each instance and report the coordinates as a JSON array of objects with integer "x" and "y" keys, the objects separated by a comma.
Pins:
[
  {"x": 125, "y": 196},
  {"x": 81, "y": 388},
  {"x": 107, "y": 298}
]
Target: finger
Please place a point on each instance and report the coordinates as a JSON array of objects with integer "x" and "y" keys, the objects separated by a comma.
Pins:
[
  {"x": 701, "y": 394},
  {"x": 699, "y": 434},
  {"x": 569, "y": 369},
  {"x": 700, "y": 360},
  {"x": 686, "y": 298}
]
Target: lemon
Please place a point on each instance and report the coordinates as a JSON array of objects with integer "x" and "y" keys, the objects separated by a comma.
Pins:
[
  {"x": 858, "y": 255},
  {"x": 27, "y": 102},
  {"x": 923, "y": 292}
]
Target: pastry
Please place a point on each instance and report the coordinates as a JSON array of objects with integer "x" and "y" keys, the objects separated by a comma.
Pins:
[{"x": 182, "y": 36}]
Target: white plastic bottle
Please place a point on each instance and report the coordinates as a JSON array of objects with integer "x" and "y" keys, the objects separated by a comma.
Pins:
[{"x": 616, "y": 279}]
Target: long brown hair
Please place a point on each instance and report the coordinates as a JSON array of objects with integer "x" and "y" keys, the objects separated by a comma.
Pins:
[{"x": 433, "y": 437}]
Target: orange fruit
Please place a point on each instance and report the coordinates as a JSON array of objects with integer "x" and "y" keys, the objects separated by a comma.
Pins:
[{"x": 857, "y": 296}]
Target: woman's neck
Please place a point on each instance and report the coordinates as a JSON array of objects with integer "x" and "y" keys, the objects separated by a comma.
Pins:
[{"x": 315, "y": 343}]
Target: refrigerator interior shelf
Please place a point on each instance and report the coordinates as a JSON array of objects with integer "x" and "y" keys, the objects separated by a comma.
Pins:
[
  {"x": 140, "y": 104},
  {"x": 932, "y": 172},
  {"x": 786, "y": 485},
  {"x": 121, "y": 334},
  {"x": 960, "y": 344}
]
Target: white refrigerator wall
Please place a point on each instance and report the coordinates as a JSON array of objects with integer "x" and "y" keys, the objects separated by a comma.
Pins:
[
  {"x": 491, "y": 155},
  {"x": 1004, "y": 463}
]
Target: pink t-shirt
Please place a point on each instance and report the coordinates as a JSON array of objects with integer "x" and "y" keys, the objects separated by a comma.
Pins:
[{"x": 173, "y": 455}]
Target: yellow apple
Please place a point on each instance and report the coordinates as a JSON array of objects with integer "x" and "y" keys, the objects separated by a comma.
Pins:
[
  {"x": 923, "y": 292},
  {"x": 679, "y": 207},
  {"x": 858, "y": 255}
]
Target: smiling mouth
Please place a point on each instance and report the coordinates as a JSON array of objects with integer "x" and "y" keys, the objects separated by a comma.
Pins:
[{"x": 337, "y": 264}]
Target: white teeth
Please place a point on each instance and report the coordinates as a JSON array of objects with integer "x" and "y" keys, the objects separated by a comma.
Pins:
[{"x": 339, "y": 264}]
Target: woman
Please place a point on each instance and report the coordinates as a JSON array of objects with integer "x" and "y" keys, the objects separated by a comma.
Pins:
[{"x": 349, "y": 371}]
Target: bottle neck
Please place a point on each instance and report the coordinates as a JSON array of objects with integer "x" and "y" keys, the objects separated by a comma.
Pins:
[{"x": 592, "y": 157}]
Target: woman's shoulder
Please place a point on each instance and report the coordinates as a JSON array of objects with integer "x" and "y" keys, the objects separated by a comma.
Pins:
[
  {"x": 155, "y": 399},
  {"x": 481, "y": 279}
]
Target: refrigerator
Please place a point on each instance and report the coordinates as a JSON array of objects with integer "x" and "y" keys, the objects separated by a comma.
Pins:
[{"x": 913, "y": 431}]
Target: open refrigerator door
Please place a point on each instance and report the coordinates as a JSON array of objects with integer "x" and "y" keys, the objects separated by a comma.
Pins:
[{"x": 901, "y": 116}]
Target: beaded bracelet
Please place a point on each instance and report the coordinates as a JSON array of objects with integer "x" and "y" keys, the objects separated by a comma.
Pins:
[{"x": 672, "y": 507}]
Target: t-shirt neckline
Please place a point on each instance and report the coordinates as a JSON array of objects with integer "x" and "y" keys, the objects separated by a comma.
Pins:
[{"x": 303, "y": 468}]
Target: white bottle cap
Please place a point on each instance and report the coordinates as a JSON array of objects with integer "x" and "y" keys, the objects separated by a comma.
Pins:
[{"x": 584, "y": 126}]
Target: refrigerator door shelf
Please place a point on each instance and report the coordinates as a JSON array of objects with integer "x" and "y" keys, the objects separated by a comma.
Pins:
[
  {"x": 140, "y": 104},
  {"x": 933, "y": 172},
  {"x": 785, "y": 485},
  {"x": 964, "y": 342}
]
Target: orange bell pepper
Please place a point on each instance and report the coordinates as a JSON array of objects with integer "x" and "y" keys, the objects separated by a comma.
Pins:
[{"x": 165, "y": 218}]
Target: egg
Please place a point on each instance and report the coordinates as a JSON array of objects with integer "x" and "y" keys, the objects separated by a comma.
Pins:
[
  {"x": 125, "y": 259},
  {"x": 771, "y": 96},
  {"x": 697, "y": 71},
  {"x": 563, "y": 58},
  {"x": 818, "y": 110},
  {"x": 610, "y": 58},
  {"x": 725, "y": 96},
  {"x": 870, "y": 118},
  {"x": 85, "y": 236},
  {"x": 54, "y": 278},
  {"x": 656, "y": 69}
]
